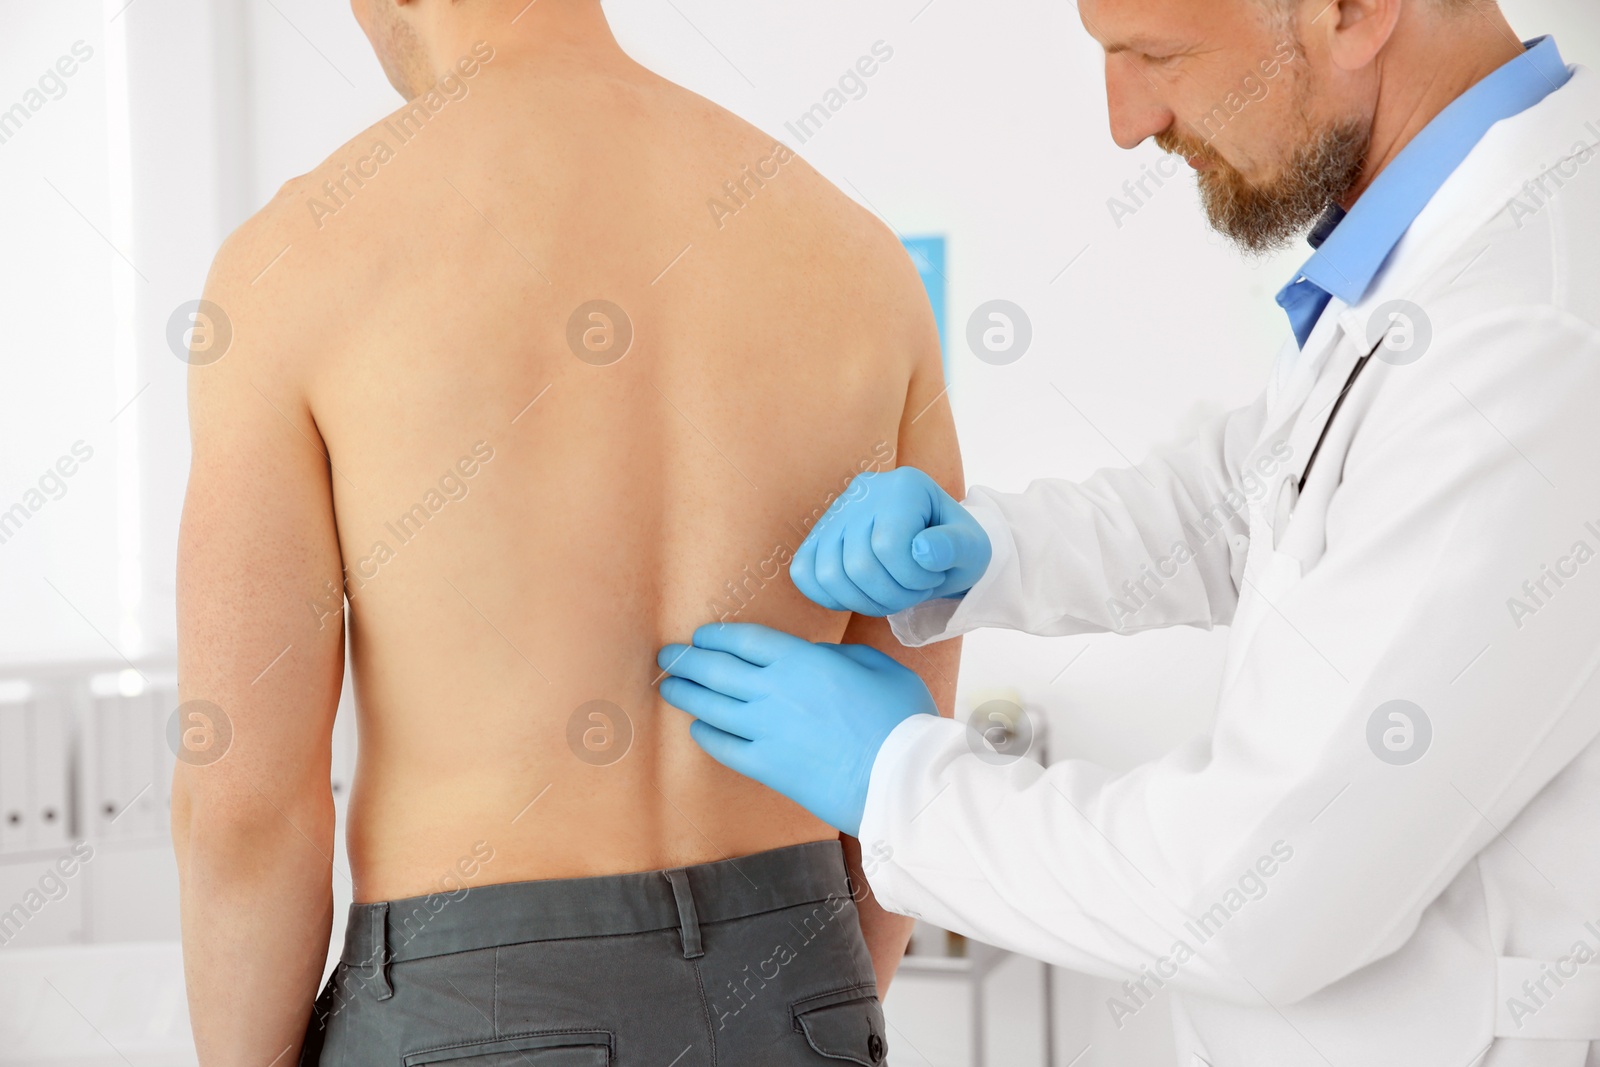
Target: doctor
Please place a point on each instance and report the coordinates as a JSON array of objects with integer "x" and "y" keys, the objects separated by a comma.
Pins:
[{"x": 1387, "y": 849}]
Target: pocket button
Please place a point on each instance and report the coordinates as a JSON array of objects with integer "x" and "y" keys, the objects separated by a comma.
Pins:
[{"x": 875, "y": 1048}]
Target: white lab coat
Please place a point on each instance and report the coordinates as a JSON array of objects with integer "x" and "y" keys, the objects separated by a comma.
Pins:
[{"x": 1298, "y": 899}]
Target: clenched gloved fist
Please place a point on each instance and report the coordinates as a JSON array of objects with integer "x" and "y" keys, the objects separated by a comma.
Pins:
[{"x": 891, "y": 541}]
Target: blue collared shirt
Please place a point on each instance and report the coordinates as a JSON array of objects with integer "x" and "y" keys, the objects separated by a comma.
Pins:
[{"x": 1351, "y": 248}]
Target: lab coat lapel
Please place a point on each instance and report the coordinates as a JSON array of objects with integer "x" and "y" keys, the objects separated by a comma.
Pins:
[
  {"x": 1308, "y": 379},
  {"x": 1297, "y": 406}
]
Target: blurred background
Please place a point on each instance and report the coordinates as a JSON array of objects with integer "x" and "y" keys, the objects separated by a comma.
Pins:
[{"x": 982, "y": 141}]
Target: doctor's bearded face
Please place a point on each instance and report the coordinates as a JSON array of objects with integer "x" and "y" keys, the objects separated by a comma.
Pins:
[{"x": 1227, "y": 85}]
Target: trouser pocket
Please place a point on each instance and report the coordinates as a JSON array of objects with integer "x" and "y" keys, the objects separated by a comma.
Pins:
[
  {"x": 845, "y": 1025},
  {"x": 571, "y": 1048}
]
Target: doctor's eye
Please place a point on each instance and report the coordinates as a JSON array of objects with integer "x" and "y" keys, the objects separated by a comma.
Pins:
[{"x": 1163, "y": 60}]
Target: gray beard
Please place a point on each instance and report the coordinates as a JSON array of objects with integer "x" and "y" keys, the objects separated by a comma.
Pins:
[{"x": 1266, "y": 219}]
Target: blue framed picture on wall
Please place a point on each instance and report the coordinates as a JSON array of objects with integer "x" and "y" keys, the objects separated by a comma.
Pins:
[{"x": 928, "y": 253}]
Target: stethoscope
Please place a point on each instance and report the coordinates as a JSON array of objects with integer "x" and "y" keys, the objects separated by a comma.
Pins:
[
  {"x": 1288, "y": 500},
  {"x": 1360, "y": 366}
]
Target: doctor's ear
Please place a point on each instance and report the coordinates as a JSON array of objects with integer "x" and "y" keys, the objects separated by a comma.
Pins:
[{"x": 1351, "y": 33}]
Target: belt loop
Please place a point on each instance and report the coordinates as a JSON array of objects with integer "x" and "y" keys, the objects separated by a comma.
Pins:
[
  {"x": 378, "y": 941},
  {"x": 688, "y": 917}
]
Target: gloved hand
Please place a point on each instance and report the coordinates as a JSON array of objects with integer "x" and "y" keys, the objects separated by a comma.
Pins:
[
  {"x": 893, "y": 540},
  {"x": 803, "y": 719}
]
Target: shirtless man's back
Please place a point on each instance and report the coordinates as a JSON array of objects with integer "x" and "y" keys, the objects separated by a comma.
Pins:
[{"x": 547, "y": 369}]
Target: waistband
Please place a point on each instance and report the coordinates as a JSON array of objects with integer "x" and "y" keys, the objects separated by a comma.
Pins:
[{"x": 512, "y": 913}]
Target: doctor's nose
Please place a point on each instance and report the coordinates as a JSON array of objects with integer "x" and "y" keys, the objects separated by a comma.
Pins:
[{"x": 1136, "y": 115}]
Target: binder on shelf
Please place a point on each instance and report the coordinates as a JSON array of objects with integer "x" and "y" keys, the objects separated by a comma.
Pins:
[
  {"x": 52, "y": 771},
  {"x": 111, "y": 736},
  {"x": 15, "y": 750}
]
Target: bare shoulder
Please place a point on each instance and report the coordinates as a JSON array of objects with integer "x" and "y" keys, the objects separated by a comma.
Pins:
[
  {"x": 265, "y": 304},
  {"x": 280, "y": 278},
  {"x": 246, "y": 289},
  {"x": 370, "y": 167},
  {"x": 830, "y": 232},
  {"x": 845, "y": 213},
  {"x": 881, "y": 282}
]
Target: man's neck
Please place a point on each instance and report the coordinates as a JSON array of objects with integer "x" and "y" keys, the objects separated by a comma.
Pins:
[
  {"x": 519, "y": 30},
  {"x": 1428, "y": 65}
]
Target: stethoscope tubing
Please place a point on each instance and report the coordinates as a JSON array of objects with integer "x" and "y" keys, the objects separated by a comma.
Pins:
[{"x": 1360, "y": 366}]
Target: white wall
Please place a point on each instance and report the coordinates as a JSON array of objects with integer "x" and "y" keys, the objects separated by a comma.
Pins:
[
  {"x": 57, "y": 282},
  {"x": 987, "y": 126}
]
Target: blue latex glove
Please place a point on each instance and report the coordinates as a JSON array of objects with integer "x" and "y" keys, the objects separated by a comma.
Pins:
[
  {"x": 893, "y": 540},
  {"x": 803, "y": 719}
]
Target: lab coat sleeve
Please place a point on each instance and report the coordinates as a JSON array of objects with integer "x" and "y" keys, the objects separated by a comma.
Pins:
[
  {"x": 1127, "y": 550},
  {"x": 1284, "y": 851}
]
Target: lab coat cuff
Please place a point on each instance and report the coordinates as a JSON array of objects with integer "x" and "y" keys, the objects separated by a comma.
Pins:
[
  {"x": 939, "y": 620},
  {"x": 891, "y": 805}
]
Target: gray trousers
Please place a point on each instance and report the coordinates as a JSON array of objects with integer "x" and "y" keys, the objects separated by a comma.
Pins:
[{"x": 750, "y": 962}]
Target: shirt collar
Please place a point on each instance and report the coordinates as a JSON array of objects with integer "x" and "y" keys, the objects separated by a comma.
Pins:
[{"x": 1351, "y": 248}]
